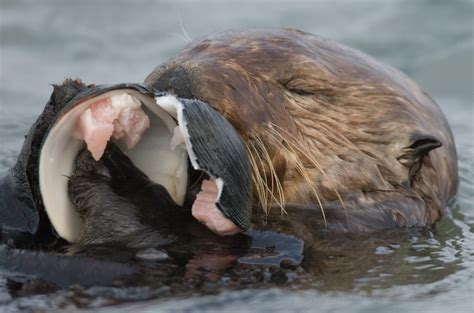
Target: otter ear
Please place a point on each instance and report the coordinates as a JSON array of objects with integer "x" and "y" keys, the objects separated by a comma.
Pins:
[{"x": 420, "y": 145}]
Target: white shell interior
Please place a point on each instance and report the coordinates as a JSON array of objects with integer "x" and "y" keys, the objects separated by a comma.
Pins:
[
  {"x": 153, "y": 155},
  {"x": 174, "y": 107}
]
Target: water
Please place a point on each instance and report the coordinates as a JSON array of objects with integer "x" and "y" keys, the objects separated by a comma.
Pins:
[{"x": 43, "y": 42}]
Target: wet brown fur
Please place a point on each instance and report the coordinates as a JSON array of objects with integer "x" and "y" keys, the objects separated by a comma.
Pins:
[{"x": 329, "y": 128}]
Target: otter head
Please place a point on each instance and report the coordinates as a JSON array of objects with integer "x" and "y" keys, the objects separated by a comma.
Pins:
[{"x": 324, "y": 125}]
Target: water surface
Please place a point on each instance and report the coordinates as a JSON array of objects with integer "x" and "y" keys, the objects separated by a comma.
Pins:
[{"x": 43, "y": 42}]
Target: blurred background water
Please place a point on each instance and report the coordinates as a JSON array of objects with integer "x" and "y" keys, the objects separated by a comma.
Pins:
[{"x": 43, "y": 42}]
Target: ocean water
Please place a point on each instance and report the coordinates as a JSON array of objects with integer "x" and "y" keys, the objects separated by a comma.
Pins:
[{"x": 43, "y": 42}]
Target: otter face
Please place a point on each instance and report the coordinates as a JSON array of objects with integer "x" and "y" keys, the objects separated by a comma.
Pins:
[{"x": 324, "y": 125}]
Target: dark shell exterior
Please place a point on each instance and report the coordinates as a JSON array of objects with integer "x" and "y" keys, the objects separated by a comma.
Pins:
[
  {"x": 22, "y": 212},
  {"x": 212, "y": 135}
]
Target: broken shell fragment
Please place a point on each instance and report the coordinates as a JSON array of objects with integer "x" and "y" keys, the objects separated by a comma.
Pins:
[{"x": 216, "y": 148}]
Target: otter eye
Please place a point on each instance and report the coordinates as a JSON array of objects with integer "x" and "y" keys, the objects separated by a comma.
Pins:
[
  {"x": 300, "y": 92},
  {"x": 296, "y": 86}
]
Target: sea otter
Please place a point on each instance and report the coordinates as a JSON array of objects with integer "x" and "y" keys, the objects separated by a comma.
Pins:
[
  {"x": 334, "y": 141},
  {"x": 327, "y": 128}
]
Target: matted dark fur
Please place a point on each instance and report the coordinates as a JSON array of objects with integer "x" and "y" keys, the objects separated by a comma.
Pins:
[
  {"x": 328, "y": 127},
  {"x": 119, "y": 205}
]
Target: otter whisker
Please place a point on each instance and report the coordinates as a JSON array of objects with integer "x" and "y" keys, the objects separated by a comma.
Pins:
[
  {"x": 260, "y": 180},
  {"x": 316, "y": 164},
  {"x": 303, "y": 171},
  {"x": 299, "y": 167},
  {"x": 333, "y": 187},
  {"x": 263, "y": 178},
  {"x": 197, "y": 181},
  {"x": 185, "y": 33},
  {"x": 273, "y": 175},
  {"x": 257, "y": 178}
]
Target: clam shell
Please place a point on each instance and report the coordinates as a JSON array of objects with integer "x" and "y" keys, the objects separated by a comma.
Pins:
[
  {"x": 55, "y": 160},
  {"x": 215, "y": 147},
  {"x": 34, "y": 192}
]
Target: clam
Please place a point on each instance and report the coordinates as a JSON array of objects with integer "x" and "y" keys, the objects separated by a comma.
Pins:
[{"x": 181, "y": 132}]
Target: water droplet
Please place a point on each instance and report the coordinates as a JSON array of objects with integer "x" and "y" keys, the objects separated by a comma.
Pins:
[
  {"x": 152, "y": 254},
  {"x": 381, "y": 250}
]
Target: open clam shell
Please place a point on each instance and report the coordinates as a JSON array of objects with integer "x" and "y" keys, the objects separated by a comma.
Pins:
[
  {"x": 153, "y": 155},
  {"x": 34, "y": 192}
]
